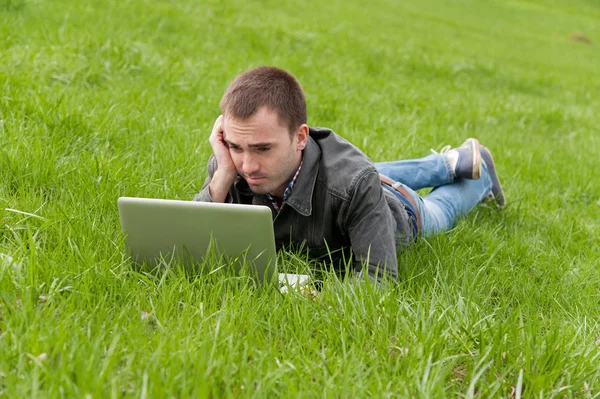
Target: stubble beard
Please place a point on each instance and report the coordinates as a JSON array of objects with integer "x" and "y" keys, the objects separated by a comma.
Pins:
[
  {"x": 267, "y": 187},
  {"x": 264, "y": 188}
]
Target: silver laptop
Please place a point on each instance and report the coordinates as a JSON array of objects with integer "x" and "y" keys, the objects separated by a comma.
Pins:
[{"x": 158, "y": 230}]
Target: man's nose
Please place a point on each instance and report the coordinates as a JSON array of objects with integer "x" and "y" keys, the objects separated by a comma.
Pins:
[{"x": 250, "y": 165}]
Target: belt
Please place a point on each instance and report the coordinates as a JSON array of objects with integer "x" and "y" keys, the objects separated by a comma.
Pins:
[{"x": 399, "y": 188}]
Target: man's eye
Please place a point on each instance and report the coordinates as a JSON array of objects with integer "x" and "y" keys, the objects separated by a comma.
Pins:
[
  {"x": 263, "y": 149},
  {"x": 236, "y": 149}
]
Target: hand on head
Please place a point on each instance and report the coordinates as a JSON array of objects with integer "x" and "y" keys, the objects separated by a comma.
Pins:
[{"x": 226, "y": 172}]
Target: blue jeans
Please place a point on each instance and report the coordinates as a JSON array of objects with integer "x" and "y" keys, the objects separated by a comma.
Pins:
[{"x": 450, "y": 199}]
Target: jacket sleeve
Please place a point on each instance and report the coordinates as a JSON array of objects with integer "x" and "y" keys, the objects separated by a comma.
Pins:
[
  {"x": 371, "y": 229},
  {"x": 204, "y": 194}
]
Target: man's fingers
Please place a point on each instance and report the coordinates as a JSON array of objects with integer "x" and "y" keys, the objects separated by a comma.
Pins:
[{"x": 218, "y": 127}]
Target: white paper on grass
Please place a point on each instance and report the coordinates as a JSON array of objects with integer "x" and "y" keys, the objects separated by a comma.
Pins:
[{"x": 292, "y": 280}]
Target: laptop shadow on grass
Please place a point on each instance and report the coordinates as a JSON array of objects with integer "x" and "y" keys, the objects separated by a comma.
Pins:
[
  {"x": 212, "y": 266},
  {"x": 293, "y": 268}
]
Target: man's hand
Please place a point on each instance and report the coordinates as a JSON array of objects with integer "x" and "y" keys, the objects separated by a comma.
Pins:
[{"x": 226, "y": 172}]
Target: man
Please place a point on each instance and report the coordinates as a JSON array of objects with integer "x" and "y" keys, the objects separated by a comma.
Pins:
[{"x": 324, "y": 193}]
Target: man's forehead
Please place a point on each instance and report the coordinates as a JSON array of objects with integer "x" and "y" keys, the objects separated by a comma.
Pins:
[
  {"x": 250, "y": 138},
  {"x": 254, "y": 132},
  {"x": 251, "y": 143},
  {"x": 263, "y": 117}
]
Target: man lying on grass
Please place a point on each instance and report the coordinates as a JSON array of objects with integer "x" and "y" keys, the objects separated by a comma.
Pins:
[{"x": 325, "y": 194}]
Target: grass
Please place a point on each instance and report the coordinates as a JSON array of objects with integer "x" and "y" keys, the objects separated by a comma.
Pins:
[{"x": 112, "y": 98}]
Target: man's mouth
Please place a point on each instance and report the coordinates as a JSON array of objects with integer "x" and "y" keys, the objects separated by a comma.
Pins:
[{"x": 255, "y": 180}]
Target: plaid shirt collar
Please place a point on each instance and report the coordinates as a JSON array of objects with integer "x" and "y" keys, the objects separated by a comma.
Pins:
[{"x": 277, "y": 204}]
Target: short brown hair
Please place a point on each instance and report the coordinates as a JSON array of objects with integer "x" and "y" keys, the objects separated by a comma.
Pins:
[{"x": 267, "y": 86}]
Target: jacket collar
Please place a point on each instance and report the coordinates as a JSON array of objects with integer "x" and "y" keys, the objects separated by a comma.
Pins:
[{"x": 301, "y": 197}]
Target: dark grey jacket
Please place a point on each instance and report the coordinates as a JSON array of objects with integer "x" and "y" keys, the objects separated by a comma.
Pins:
[{"x": 336, "y": 204}]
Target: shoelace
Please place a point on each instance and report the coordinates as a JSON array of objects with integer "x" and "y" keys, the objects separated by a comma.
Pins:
[{"x": 444, "y": 150}]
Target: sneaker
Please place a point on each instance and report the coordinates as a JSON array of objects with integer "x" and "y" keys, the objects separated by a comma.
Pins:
[
  {"x": 497, "y": 193},
  {"x": 468, "y": 164}
]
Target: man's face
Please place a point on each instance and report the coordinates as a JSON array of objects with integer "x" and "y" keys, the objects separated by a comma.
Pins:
[{"x": 263, "y": 151}]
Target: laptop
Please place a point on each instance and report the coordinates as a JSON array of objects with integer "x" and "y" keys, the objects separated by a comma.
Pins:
[{"x": 159, "y": 229}]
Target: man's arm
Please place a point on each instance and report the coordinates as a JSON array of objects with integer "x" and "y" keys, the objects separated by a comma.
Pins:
[
  {"x": 371, "y": 229},
  {"x": 221, "y": 169},
  {"x": 205, "y": 193}
]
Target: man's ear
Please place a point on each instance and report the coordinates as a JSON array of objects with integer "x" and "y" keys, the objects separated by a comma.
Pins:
[{"x": 302, "y": 136}]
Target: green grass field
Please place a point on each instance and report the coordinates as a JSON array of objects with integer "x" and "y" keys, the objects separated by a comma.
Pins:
[{"x": 104, "y": 99}]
